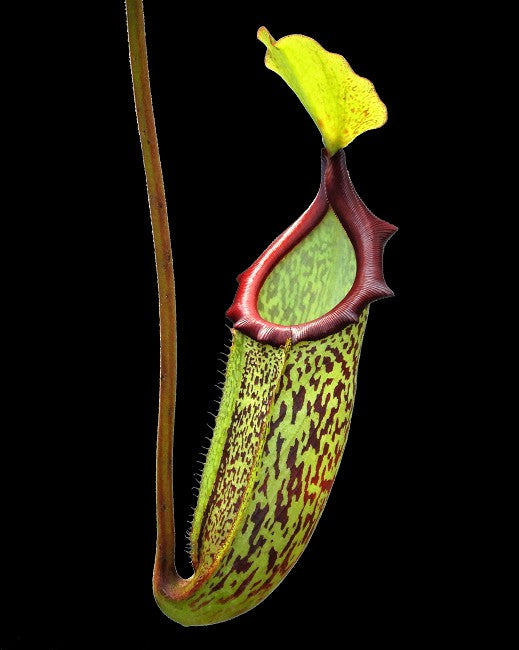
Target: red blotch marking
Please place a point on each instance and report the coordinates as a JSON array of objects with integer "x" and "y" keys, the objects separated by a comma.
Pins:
[
  {"x": 288, "y": 370},
  {"x": 264, "y": 587},
  {"x": 315, "y": 382},
  {"x": 280, "y": 440},
  {"x": 328, "y": 364},
  {"x": 287, "y": 545},
  {"x": 315, "y": 477},
  {"x": 327, "y": 484},
  {"x": 295, "y": 482},
  {"x": 195, "y": 609},
  {"x": 240, "y": 589},
  {"x": 241, "y": 564},
  {"x": 263, "y": 487},
  {"x": 340, "y": 390},
  {"x": 257, "y": 518},
  {"x": 281, "y": 510},
  {"x": 298, "y": 402},
  {"x": 273, "y": 556}
]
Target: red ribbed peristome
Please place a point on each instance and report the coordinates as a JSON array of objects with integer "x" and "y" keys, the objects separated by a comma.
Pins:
[{"x": 368, "y": 235}]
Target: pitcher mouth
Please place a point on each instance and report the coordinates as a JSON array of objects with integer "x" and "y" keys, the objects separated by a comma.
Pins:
[{"x": 368, "y": 235}]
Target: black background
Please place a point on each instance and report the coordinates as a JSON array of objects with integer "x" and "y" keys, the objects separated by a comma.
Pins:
[{"x": 241, "y": 162}]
